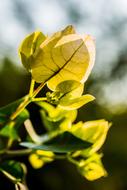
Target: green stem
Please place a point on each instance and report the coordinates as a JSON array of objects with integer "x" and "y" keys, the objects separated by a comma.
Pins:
[
  {"x": 39, "y": 99},
  {"x": 31, "y": 87},
  {"x": 23, "y": 152},
  {"x": 20, "y": 108},
  {"x": 59, "y": 157},
  {"x": 38, "y": 90},
  {"x": 18, "y": 152},
  {"x": 9, "y": 176},
  {"x": 6, "y": 154},
  {"x": 72, "y": 160},
  {"x": 27, "y": 100}
]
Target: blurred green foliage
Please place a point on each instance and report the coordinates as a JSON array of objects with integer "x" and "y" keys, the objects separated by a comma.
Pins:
[{"x": 14, "y": 81}]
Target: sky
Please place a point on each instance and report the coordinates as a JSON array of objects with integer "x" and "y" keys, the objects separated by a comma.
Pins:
[
  {"x": 52, "y": 16},
  {"x": 104, "y": 19}
]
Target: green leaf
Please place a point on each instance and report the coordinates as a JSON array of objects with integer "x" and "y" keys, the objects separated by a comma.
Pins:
[
  {"x": 14, "y": 170},
  {"x": 10, "y": 128},
  {"x": 10, "y": 131},
  {"x": 3, "y": 118},
  {"x": 71, "y": 115},
  {"x": 7, "y": 110},
  {"x": 70, "y": 88},
  {"x": 65, "y": 125},
  {"x": 46, "y": 106},
  {"x": 92, "y": 168},
  {"x": 29, "y": 47},
  {"x": 91, "y": 131},
  {"x": 57, "y": 113},
  {"x": 70, "y": 104},
  {"x": 67, "y": 89},
  {"x": 62, "y": 143},
  {"x": 49, "y": 123},
  {"x": 53, "y": 123},
  {"x": 52, "y": 117},
  {"x": 63, "y": 56}
]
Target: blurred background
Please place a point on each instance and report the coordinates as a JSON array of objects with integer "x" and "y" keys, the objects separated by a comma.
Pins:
[{"x": 107, "y": 22}]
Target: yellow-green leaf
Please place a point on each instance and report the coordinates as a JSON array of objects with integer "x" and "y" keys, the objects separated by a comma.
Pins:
[
  {"x": 40, "y": 157},
  {"x": 65, "y": 125},
  {"x": 64, "y": 56},
  {"x": 70, "y": 104},
  {"x": 13, "y": 170},
  {"x": 29, "y": 46},
  {"x": 67, "y": 89},
  {"x": 70, "y": 88},
  {"x": 92, "y": 168},
  {"x": 53, "y": 117},
  {"x": 91, "y": 131},
  {"x": 56, "y": 114}
]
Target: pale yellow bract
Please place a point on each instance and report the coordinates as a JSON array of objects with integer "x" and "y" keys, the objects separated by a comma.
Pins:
[
  {"x": 92, "y": 131},
  {"x": 94, "y": 171},
  {"x": 63, "y": 56}
]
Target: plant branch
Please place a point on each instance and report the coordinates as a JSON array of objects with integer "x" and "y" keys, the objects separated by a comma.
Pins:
[
  {"x": 38, "y": 89},
  {"x": 31, "y": 87},
  {"x": 27, "y": 100},
  {"x": 39, "y": 99},
  {"x": 20, "y": 108},
  {"x": 72, "y": 160},
  {"x": 21, "y": 152}
]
